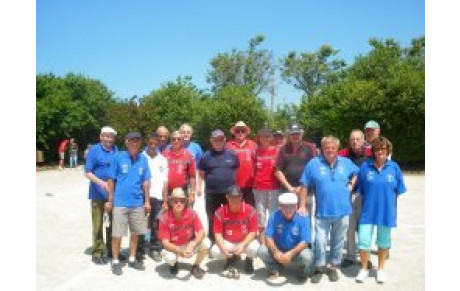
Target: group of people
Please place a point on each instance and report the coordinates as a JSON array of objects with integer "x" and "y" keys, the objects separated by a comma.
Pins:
[
  {"x": 273, "y": 197},
  {"x": 71, "y": 147}
]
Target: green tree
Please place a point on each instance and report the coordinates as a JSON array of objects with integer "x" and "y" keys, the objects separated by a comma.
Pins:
[
  {"x": 229, "y": 105},
  {"x": 310, "y": 71},
  {"x": 251, "y": 68},
  {"x": 71, "y": 106}
]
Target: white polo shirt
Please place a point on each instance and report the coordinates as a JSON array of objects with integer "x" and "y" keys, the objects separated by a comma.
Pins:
[{"x": 159, "y": 170}]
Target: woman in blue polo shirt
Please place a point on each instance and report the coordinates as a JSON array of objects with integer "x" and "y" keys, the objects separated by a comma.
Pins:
[{"x": 380, "y": 182}]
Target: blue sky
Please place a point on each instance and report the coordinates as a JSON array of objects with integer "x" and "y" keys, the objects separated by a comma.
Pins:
[{"x": 134, "y": 46}]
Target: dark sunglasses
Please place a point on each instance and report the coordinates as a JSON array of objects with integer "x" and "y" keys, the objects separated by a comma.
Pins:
[{"x": 181, "y": 201}]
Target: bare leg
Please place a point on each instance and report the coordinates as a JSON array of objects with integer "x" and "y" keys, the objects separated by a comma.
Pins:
[
  {"x": 133, "y": 245},
  {"x": 364, "y": 255},
  {"x": 200, "y": 256},
  {"x": 382, "y": 255},
  {"x": 116, "y": 241}
]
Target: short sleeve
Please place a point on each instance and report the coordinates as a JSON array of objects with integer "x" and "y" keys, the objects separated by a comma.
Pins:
[
  {"x": 361, "y": 179},
  {"x": 91, "y": 160},
  {"x": 191, "y": 168},
  {"x": 305, "y": 178},
  {"x": 166, "y": 169},
  {"x": 217, "y": 226},
  {"x": 253, "y": 224},
  {"x": 270, "y": 229},
  {"x": 113, "y": 170},
  {"x": 202, "y": 164},
  {"x": 279, "y": 164},
  {"x": 305, "y": 233},
  {"x": 146, "y": 175},
  {"x": 400, "y": 185},
  {"x": 197, "y": 226},
  {"x": 163, "y": 230}
]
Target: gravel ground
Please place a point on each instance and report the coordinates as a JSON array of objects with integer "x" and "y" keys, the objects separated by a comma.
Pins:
[{"x": 64, "y": 245}]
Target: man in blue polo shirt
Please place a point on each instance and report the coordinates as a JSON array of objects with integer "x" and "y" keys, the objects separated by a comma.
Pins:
[
  {"x": 97, "y": 166},
  {"x": 287, "y": 239},
  {"x": 129, "y": 199},
  {"x": 217, "y": 168},
  {"x": 333, "y": 177}
]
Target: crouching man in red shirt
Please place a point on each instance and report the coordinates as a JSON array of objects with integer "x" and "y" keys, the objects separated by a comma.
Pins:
[
  {"x": 235, "y": 228},
  {"x": 182, "y": 234}
]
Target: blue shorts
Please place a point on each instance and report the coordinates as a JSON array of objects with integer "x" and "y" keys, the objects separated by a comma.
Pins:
[{"x": 365, "y": 236}]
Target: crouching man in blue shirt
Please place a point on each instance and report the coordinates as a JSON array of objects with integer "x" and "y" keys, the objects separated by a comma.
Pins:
[
  {"x": 333, "y": 178},
  {"x": 129, "y": 199},
  {"x": 287, "y": 239}
]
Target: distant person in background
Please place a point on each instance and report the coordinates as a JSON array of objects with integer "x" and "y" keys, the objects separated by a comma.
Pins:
[
  {"x": 98, "y": 161},
  {"x": 73, "y": 153},
  {"x": 279, "y": 140},
  {"x": 266, "y": 186},
  {"x": 380, "y": 183},
  {"x": 163, "y": 138},
  {"x": 61, "y": 152},
  {"x": 357, "y": 153},
  {"x": 85, "y": 153},
  {"x": 245, "y": 150}
]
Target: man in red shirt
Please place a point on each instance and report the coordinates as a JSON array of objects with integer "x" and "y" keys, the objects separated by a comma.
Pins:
[
  {"x": 181, "y": 166},
  {"x": 61, "y": 151},
  {"x": 182, "y": 234},
  {"x": 266, "y": 185},
  {"x": 235, "y": 228},
  {"x": 245, "y": 149}
]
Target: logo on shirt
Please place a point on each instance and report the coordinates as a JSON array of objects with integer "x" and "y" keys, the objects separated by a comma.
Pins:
[
  {"x": 124, "y": 168},
  {"x": 322, "y": 170},
  {"x": 370, "y": 176},
  {"x": 295, "y": 230},
  {"x": 390, "y": 178},
  {"x": 279, "y": 228},
  {"x": 229, "y": 232},
  {"x": 228, "y": 161},
  {"x": 141, "y": 170}
]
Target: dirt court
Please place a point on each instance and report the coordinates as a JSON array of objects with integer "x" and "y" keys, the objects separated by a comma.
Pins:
[{"x": 64, "y": 241}]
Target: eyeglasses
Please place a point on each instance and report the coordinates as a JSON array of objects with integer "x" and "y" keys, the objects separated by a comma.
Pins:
[
  {"x": 176, "y": 139},
  {"x": 181, "y": 201},
  {"x": 290, "y": 207},
  {"x": 379, "y": 149},
  {"x": 240, "y": 131}
]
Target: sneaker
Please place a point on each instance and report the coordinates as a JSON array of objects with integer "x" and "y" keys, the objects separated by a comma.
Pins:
[
  {"x": 381, "y": 276},
  {"x": 116, "y": 269},
  {"x": 301, "y": 275},
  {"x": 230, "y": 262},
  {"x": 197, "y": 271},
  {"x": 98, "y": 260},
  {"x": 362, "y": 275},
  {"x": 273, "y": 275},
  {"x": 333, "y": 275},
  {"x": 121, "y": 257},
  {"x": 347, "y": 263},
  {"x": 174, "y": 269},
  {"x": 138, "y": 265},
  {"x": 316, "y": 277},
  {"x": 155, "y": 255},
  {"x": 140, "y": 256},
  {"x": 249, "y": 266}
]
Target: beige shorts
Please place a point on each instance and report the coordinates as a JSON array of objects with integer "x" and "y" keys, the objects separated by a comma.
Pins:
[
  {"x": 171, "y": 258},
  {"x": 132, "y": 217},
  {"x": 61, "y": 156}
]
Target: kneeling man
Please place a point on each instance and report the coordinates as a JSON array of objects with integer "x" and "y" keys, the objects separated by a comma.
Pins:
[
  {"x": 182, "y": 234},
  {"x": 235, "y": 228},
  {"x": 287, "y": 239}
]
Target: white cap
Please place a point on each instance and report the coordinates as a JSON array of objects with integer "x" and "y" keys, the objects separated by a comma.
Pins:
[
  {"x": 287, "y": 198},
  {"x": 108, "y": 129}
]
